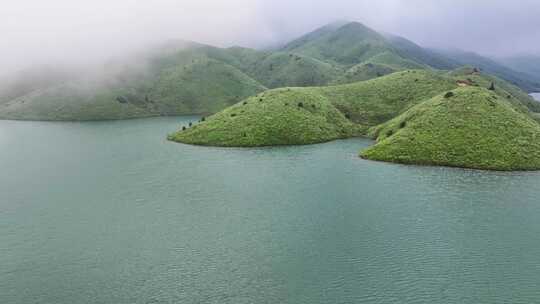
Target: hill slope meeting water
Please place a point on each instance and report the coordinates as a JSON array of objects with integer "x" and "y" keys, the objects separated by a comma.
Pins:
[
  {"x": 292, "y": 116},
  {"x": 467, "y": 127},
  {"x": 185, "y": 78},
  {"x": 484, "y": 114}
]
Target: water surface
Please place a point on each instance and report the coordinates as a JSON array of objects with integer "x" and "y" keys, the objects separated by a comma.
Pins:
[
  {"x": 110, "y": 212},
  {"x": 536, "y": 96}
]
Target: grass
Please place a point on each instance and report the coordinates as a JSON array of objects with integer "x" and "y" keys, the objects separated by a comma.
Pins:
[
  {"x": 185, "y": 82},
  {"x": 378, "y": 100},
  {"x": 287, "y": 69},
  {"x": 475, "y": 128},
  {"x": 294, "y": 116},
  {"x": 513, "y": 93},
  {"x": 277, "y": 117},
  {"x": 203, "y": 86},
  {"x": 94, "y": 102},
  {"x": 362, "y": 72},
  {"x": 349, "y": 44}
]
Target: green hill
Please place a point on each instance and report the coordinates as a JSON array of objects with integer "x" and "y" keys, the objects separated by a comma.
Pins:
[
  {"x": 201, "y": 87},
  {"x": 94, "y": 101},
  {"x": 362, "y": 72},
  {"x": 169, "y": 82},
  {"x": 408, "y": 49},
  {"x": 272, "y": 69},
  {"x": 492, "y": 67},
  {"x": 469, "y": 127},
  {"x": 287, "y": 69},
  {"x": 30, "y": 80},
  {"x": 311, "y": 115},
  {"x": 183, "y": 78},
  {"x": 277, "y": 117},
  {"x": 379, "y": 65},
  {"x": 502, "y": 87},
  {"x": 348, "y": 45}
]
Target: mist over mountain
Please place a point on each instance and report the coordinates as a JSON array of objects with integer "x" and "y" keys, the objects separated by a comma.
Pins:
[{"x": 69, "y": 32}]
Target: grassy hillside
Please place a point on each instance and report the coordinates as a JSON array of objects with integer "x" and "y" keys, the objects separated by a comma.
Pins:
[
  {"x": 278, "y": 117},
  {"x": 502, "y": 87},
  {"x": 203, "y": 86},
  {"x": 33, "y": 79},
  {"x": 180, "y": 78},
  {"x": 170, "y": 82},
  {"x": 378, "y": 100},
  {"x": 489, "y": 66},
  {"x": 469, "y": 127},
  {"x": 362, "y": 72},
  {"x": 287, "y": 69},
  {"x": 94, "y": 101},
  {"x": 350, "y": 44},
  {"x": 311, "y": 115},
  {"x": 396, "y": 62},
  {"x": 272, "y": 69}
]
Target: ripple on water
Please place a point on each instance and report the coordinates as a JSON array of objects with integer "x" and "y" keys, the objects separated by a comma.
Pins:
[{"x": 148, "y": 221}]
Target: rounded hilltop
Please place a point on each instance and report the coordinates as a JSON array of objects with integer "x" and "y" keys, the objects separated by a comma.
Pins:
[
  {"x": 469, "y": 127},
  {"x": 296, "y": 116},
  {"x": 277, "y": 117}
]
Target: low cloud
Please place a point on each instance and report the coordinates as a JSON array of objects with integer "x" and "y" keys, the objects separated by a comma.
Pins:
[{"x": 84, "y": 32}]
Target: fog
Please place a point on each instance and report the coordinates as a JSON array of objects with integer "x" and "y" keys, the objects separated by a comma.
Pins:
[{"x": 86, "y": 32}]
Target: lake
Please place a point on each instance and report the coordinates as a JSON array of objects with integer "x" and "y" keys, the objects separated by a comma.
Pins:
[
  {"x": 110, "y": 212},
  {"x": 536, "y": 96}
]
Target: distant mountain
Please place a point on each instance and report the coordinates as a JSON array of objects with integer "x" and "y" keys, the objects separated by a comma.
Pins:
[
  {"x": 32, "y": 79},
  {"x": 349, "y": 44},
  {"x": 490, "y": 66},
  {"x": 183, "y": 77},
  {"x": 527, "y": 64},
  {"x": 409, "y": 49}
]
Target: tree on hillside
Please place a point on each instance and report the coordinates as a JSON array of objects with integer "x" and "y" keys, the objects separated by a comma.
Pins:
[{"x": 492, "y": 86}]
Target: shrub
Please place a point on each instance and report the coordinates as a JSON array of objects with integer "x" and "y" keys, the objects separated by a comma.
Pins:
[
  {"x": 449, "y": 94},
  {"x": 403, "y": 124},
  {"x": 261, "y": 99},
  {"x": 183, "y": 128},
  {"x": 347, "y": 115},
  {"x": 389, "y": 133},
  {"x": 313, "y": 106},
  {"x": 203, "y": 119},
  {"x": 190, "y": 124},
  {"x": 492, "y": 86},
  {"x": 300, "y": 105},
  {"x": 233, "y": 114},
  {"x": 245, "y": 103},
  {"x": 122, "y": 99}
]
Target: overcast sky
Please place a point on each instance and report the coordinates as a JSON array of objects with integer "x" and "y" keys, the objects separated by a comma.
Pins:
[{"x": 38, "y": 31}]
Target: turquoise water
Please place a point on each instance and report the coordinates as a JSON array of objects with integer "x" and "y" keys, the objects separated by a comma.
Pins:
[{"x": 110, "y": 212}]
